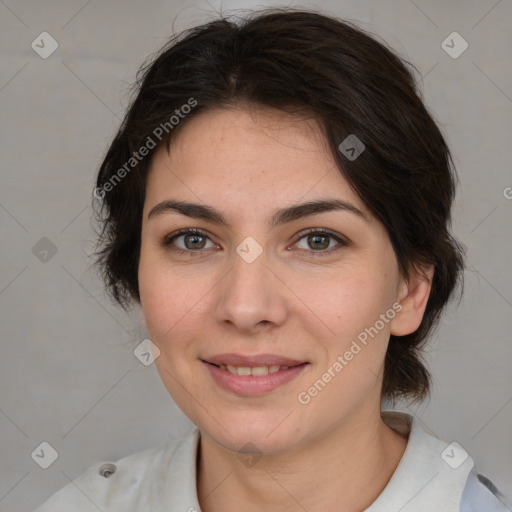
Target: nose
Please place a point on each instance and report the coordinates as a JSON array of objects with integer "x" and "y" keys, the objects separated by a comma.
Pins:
[{"x": 251, "y": 295}]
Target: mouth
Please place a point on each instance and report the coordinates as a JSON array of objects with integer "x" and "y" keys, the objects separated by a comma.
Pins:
[
  {"x": 253, "y": 375},
  {"x": 257, "y": 371}
]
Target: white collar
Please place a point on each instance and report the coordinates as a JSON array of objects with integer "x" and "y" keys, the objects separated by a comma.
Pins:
[{"x": 431, "y": 474}]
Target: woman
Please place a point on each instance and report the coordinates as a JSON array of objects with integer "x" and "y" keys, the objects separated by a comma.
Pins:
[{"x": 277, "y": 200}]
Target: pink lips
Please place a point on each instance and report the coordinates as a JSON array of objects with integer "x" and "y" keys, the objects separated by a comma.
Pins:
[{"x": 253, "y": 385}]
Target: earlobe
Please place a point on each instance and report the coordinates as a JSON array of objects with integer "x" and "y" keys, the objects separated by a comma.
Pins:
[{"x": 413, "y": 297}]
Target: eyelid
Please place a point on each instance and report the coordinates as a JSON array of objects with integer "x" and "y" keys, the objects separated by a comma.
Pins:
[{"x": 338, "y": 237}]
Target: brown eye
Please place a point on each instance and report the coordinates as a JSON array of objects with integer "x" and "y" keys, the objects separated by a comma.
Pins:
[
  {"x": 193, "y": 240},
  {"x": 319, "y": 240}
]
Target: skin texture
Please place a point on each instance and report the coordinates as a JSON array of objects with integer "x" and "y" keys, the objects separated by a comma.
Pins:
[{"x": 334, "y": 453}]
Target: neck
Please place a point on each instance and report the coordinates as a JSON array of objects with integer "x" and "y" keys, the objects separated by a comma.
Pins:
[{"x": 346, "y": 469}]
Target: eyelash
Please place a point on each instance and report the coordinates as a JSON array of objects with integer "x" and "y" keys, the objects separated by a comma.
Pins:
[{"x": 168, "y": 239}]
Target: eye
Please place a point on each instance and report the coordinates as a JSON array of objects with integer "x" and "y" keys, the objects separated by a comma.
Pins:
[
  {"x": 193, "y": 240},
  {"x": 318, "y": 239}
]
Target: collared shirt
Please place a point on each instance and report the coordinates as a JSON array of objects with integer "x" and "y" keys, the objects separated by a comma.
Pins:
[{"x": 432, "y": 476}]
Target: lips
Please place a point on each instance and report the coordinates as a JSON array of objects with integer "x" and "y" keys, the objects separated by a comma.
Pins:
[
  {"x": 250, "y": 377},
  {"x": 252, "y": 361}
]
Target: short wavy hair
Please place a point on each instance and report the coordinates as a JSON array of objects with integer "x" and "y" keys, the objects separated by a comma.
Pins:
[{"x": 298, "y": 61}]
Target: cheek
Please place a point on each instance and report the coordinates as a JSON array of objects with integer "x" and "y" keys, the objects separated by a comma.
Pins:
[
  {"x": 171, "y": 317},
  {"x": 347, "y": 302},
  {"x": 158, "y": 296},
  {"x": 351, "y": 307},
  {"x": 173, "y": 303},
  {"x": 168, "y": 307}
]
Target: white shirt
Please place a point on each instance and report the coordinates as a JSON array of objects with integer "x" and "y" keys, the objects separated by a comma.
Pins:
[{"x": 432, "y": 476}]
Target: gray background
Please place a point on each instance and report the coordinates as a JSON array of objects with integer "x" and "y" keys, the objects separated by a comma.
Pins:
[{"x": 69, "y": 375}]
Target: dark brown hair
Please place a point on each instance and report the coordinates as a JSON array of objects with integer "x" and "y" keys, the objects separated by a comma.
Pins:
[{"x": 298, "y": 61}]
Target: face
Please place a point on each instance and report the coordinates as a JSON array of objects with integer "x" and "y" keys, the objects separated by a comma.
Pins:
[{"x": 304, "y": 287}]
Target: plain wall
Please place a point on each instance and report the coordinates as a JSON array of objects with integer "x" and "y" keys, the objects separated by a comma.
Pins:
[{"x": 68, "y": 373}]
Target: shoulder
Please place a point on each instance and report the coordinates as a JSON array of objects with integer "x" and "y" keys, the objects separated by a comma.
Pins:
[
  {"x": 481, "y": 495},
  {"x": 114, "y": 486}
]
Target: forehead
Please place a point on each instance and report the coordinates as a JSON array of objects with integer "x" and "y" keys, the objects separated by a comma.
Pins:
[{"x": 246, "y": 158}]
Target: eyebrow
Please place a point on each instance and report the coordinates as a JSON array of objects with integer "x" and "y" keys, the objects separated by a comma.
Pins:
[{"x": 282, "y": 216}]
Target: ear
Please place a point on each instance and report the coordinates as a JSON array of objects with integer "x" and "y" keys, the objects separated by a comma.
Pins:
[{"x": 413, "y": 296}]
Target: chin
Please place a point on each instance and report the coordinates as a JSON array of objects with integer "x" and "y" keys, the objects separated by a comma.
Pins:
[{"x": 261, "y": 437}]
